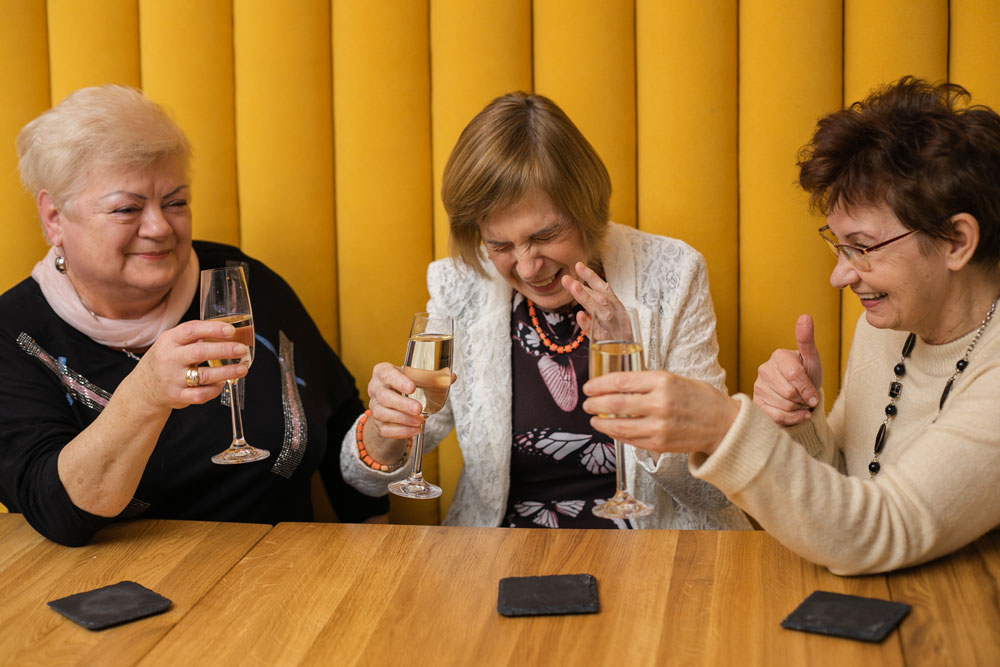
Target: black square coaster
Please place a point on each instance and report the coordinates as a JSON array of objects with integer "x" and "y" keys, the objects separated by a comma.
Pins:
[
  {"x": 111, "y": 605},
  {"x": 551, "y": 594},
  {"x": 850, "y": 616}
]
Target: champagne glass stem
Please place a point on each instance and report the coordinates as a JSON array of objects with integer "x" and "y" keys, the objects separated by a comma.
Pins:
[
  {"x": 619, "y": 467},
  {"x": 238, "y": 440},
  {"x": 416, "y": 472}
]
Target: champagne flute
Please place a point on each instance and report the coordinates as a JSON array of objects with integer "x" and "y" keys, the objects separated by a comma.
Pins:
[
  {"x": 225, "y": 298},
  {"x": 428, "y": 364},
  {"x": 616, "y": 346}
]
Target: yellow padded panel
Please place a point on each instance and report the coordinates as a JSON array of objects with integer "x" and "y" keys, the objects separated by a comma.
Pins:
[
  {"x": 585, "y": 61},
  {"x": 381, "y": 79},
  {"x": 884, "y": 40},
  {"x": 24, "y": 88},
  {"x": 783, "y": 266},
  {"x": 480, "y": 50},
  {"x": 687, "y": 160},
  {"x": 92, "y": 42},
  {"x": 975, "y": 49},
  {"x": 187, "y": 66},
  {"x": 284, "y": 146}
]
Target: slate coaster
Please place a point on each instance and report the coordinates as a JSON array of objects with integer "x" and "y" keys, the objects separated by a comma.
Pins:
[
  {"x": 850, "y": 616},
  {"x": 111, "y": 605},
  {"x": 551, "y": 594}
]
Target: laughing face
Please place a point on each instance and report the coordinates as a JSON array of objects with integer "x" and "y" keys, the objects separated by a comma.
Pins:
[
  {"x": 533, "y": 245},
  {"x": 126, "y": 237},
  {"x": 905, "y": 288}
]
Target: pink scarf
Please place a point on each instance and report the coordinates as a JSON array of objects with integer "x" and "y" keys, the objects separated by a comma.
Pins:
[{"x": 136, "y": 334}]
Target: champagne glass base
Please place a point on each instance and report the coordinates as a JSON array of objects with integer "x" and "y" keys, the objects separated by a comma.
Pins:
[
  {"x": 244, "y": 454},
  {"x": 622, "y": 506},
  {"x": 415, "y": 487}
]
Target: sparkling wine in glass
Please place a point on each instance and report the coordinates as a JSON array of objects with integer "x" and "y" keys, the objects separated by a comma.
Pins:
[
  {"x": 428, "y": 364},
  {"x": 225, "y": 298},
  {"x": 616, "y": 346}
]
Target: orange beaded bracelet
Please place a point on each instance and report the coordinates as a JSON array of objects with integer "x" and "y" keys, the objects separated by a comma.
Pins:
[{"x": 367, "y": 459}]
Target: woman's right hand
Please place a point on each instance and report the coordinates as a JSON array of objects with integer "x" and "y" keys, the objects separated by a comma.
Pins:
[
  {"x": 162, "y": 371},
  {"x": 394, "y": 414},
  {"x": 787, "y": 385}
]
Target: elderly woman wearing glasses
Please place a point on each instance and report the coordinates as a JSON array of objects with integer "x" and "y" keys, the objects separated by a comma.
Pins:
[{"x": 905, "y": 466}]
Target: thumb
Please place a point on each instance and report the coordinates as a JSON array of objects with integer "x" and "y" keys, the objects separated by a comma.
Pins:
[{"x": 806, "y": 343}]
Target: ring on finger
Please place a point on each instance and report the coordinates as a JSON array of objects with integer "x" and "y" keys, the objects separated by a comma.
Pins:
[{"x": 192, "y": 377}]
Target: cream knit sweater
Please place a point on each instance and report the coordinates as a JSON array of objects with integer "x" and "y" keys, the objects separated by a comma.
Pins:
[{"x": 939, "y": 486}]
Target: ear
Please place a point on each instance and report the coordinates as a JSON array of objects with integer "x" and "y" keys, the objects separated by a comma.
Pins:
[
  {"x": 51, "y": 218},
  {"x": 962, "y": 247}
]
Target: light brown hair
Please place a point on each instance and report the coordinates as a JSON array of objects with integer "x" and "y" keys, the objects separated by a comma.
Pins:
[{"x": 521, "y": 143}]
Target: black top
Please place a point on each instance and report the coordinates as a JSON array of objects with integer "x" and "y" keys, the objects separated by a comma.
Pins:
[
  {"x": 560, "y": 467},
  {"x": 299, "y": 402}
]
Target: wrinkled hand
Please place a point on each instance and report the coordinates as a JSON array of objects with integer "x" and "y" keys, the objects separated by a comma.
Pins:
[
  {"x": 787, "y": 385},
  {"x": 162, "y": 369},
  {"x": 596, "y": 297},
  {"x": 394, "y": 413},
  {"x": 667, "y": 412}
]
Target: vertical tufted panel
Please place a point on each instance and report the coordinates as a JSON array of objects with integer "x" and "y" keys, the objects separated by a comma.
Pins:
[
  {"x": 686, "y": 101},
  {"x": 284, "y": 147},
  {"x": 384, "y": 200},
  {"x": 24, "y": 88},
  {"x": 187, "y": 66},
  {"x": 584, "y": 59},
  {"x": 975, "y": 48},
  {"x": 783, "y": 266},
  {"x": 92, "y": 42}
]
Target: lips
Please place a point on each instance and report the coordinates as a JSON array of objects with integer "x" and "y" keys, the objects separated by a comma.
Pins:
[
  {"x": 546, "y": 285},
  {"x": 870, "y": 298}
]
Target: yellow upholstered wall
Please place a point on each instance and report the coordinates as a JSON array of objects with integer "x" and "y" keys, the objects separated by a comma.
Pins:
[{"x": 321, "y": 128}]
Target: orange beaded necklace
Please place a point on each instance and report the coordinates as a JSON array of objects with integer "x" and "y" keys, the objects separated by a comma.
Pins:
[{"x": 558, "y": 349}]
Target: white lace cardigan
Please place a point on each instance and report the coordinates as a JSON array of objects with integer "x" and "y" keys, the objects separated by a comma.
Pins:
[{"x": 666, "y": 281}]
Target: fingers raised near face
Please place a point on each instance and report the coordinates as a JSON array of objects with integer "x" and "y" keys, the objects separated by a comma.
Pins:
[{"x": 806, "y": 343}]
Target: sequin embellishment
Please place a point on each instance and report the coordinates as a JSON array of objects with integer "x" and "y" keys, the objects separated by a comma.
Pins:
[
  {"x": 296, "y": 431},
  {"x": 78, "y": 387}
]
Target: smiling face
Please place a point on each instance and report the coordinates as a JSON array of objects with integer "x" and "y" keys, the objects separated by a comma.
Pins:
[
  {"x": 906, "y": 288},
  {"x": 126, "y": 237},
  {"x": 532, "y": 245}
]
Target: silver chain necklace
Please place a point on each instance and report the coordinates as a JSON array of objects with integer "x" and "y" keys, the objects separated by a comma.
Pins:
[{"x": 896, "y": 386}]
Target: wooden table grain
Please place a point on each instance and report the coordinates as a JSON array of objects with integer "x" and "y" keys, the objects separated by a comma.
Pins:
[
  {"x": 378, "y": 595},
  {"x": 181, "y": 560}
]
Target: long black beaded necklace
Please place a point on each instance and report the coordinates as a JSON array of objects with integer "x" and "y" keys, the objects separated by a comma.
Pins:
[{"x": 896, "y": 387}]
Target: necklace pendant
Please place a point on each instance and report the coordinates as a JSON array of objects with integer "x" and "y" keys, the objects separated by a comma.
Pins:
[{"x": 944, "y": 394}]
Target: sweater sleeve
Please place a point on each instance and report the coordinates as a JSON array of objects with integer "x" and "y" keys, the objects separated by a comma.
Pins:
[
  {"x": 36, "y": 422},
  {"x": 938, "y": 497}
]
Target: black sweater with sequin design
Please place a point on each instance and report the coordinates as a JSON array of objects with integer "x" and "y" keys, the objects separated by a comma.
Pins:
[{"x": 299, "y": 402}]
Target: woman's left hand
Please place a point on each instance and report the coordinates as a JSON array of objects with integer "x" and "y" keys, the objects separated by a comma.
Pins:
[
  {"x": 595, "y": 295},
  {"x": 666, "y": 412}
]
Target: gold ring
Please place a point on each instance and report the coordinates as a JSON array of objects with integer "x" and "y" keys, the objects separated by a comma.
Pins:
[{"x": 192, "y": 378}]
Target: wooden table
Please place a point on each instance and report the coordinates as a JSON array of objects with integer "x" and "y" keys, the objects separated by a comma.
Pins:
[
  {"x": 181, "y": 560},
  {"x": 379, "y": 595}
]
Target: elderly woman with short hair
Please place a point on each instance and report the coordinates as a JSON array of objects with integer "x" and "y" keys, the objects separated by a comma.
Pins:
[
  {"x": 905, "y": 467},
  {"x": 104, "y": 409},
  {"x": 527, "y": 198}
]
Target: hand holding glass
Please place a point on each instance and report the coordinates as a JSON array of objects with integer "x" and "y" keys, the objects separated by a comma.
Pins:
[
  {"x": 428, "y": 364},
  {"x": 616, "y": 346},
  {"x": 225, "y": 297}
]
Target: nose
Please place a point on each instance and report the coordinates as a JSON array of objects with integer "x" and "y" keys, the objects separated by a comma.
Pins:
[
  {"x": 154, "y": 223},
  {"x": 528, "y": 263},
  {"x": 843, "y": 273}
]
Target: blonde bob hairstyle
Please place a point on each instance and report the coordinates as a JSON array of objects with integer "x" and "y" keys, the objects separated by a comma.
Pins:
[
  {"x": 103, "y": 127},
  {"x": 517, "y": 145}
]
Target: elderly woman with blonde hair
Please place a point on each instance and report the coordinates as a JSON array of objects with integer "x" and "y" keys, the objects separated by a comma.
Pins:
[
  {"x": 527, "y": 198},
  {"x": 104, "y": 404}
]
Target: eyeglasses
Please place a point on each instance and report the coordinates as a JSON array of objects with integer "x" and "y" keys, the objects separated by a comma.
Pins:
[{"x": 858, "y": 257}]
